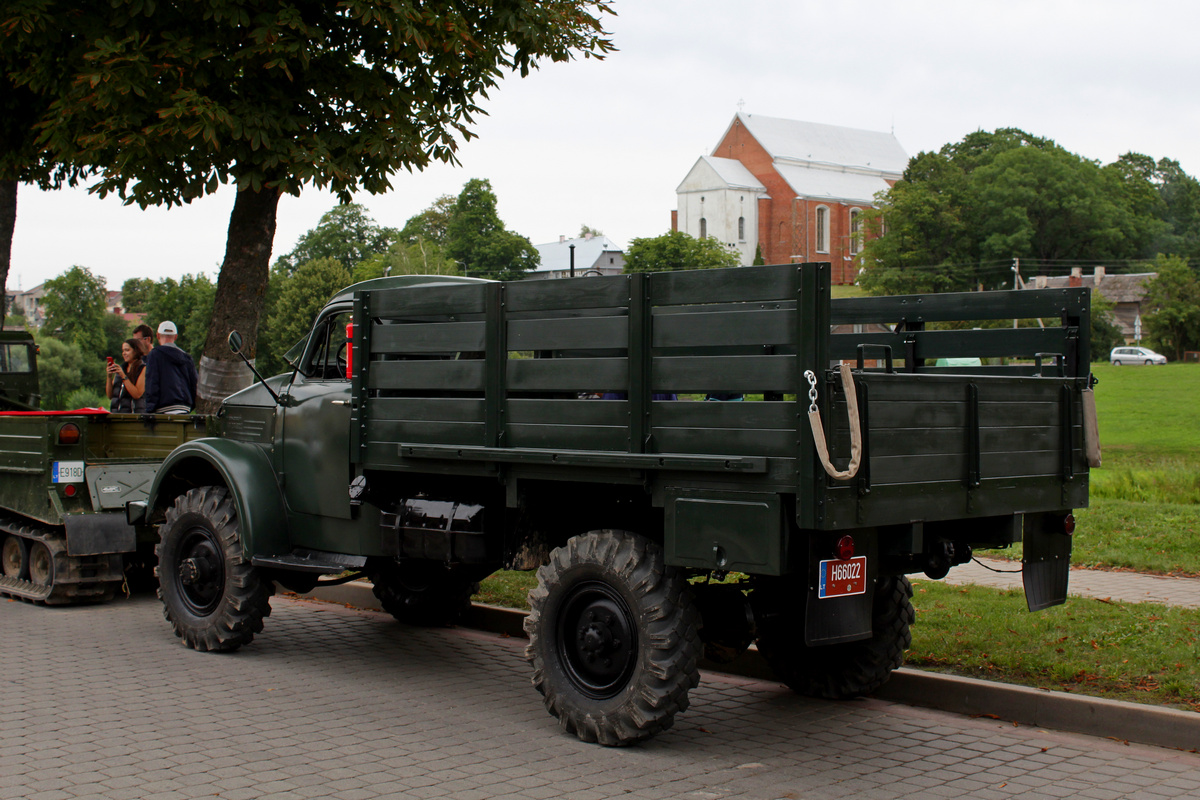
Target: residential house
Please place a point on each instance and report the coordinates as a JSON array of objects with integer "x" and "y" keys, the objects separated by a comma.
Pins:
[
  {"x": 593, "y": 255},
  {"x": 28, "y": 304},
  {"x": 1125, "y": 291}
]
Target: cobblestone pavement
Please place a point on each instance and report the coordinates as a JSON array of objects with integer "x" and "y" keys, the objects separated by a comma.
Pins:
[
  {"x": 1129, "y": 587},
  {"x": 332, "y": 702}
]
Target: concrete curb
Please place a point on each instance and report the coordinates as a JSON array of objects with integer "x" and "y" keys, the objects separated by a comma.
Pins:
[{"x": 1094, "y": 716}]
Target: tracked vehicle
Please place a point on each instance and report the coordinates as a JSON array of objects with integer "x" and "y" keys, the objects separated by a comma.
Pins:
[{"x": 65, "y": 478}]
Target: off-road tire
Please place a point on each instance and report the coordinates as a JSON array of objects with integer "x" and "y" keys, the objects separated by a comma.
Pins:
[
  {"x": 211, "y": 594},
  {"x": 424, "y": 593},
  {"x": 842, "y": 671},
  {"x": 609, "y": 595}
]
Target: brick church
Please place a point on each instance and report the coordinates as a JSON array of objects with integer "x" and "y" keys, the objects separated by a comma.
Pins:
[{"x": 797, "y": 189}]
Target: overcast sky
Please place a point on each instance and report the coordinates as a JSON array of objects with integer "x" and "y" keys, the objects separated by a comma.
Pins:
[{"x": 606, "y": 143}]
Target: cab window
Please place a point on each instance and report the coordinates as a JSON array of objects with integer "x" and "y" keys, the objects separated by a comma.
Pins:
[{"x": 331, "y": 348}]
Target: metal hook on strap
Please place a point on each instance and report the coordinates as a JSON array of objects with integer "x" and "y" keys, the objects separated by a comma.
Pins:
[{"x": 818, "y": 429}]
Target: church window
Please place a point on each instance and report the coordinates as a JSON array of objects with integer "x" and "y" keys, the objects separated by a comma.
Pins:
[{"x": 822, "y": 229}]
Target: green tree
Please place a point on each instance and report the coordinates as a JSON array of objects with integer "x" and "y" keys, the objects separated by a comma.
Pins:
[
  {"x": 75, "y": 309},
  {"x": 479, "y": 242},
  {"x": 302, "y": 297},
  {"x": 758, "y": 257},
  {"x": 188, "y": 302},
  {"x": 135, "y": 292},
  {"x": 171, "y": 100},
  {"x": 268, "y": 361},
  {"x": 958, "y": 217},
  {"x": 677, "y": 250},
  {"x": 586, "y": 230},
  {"x": 419, "y": 257},
  {"x": 60, "y": 371},
  {"x": 432, "y": 223},
  {"x": 346, "y": 233},
  {"x": 1171, "y": 308},
  {"x": 1180, "y": 193}
]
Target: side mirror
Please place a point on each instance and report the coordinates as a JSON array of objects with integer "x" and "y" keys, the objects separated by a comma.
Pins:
[{"x": 235, "y": 343}]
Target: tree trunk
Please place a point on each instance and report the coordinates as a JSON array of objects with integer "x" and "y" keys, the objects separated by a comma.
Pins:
[
  {"x": 8, "y": 221},
  {"x": 241, "y": 292}
]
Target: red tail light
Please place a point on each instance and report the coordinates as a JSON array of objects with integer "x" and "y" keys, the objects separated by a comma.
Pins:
[
  {"x": 69, "y": 490},
  {"x": 349, "y": 350},
  {"x": 68, "y": 434},
  {"x": 1069, "y": 524},
  {"x": 845, "y": 548}
]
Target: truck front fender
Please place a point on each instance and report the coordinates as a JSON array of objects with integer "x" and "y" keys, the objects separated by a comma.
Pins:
[{"x": 245, "y": 470}]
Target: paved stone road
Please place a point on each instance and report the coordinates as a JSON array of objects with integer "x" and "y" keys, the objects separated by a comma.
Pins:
[
  {"x": 1130, "y": 587},
  {"x": 337, "y": 703}
]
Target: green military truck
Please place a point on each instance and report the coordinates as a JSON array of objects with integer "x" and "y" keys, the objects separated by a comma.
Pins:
[
  {"x": 463, "y": 426},
  {"x": 65, "y": 478}
]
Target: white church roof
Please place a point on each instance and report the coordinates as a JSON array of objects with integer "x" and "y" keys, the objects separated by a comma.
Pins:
[
  {"x": 845, "y": 187},
  {"x": 816, "y": 144},
  {"x": 710, "y": 173}
]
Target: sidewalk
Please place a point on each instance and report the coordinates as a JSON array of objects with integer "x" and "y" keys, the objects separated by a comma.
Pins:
[{"x": 1127, "y": 587}]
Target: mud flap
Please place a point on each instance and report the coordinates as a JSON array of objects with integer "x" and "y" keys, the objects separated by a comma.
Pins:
[
  {"x": 1046, "y": 565},
  {"x": 836, "y": 619},
  {"x": 99, "y": 534}
]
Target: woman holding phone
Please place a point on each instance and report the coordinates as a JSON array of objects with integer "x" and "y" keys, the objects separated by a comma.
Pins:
[{"x": 125, "y": 385}]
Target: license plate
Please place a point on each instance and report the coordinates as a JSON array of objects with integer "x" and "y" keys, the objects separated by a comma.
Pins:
[
  {"x": 67, "y": 472},
  {"x": 842, "y": 578}
]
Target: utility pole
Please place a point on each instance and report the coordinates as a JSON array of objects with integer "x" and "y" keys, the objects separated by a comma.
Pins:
[{"x": 1017, "y": 282}]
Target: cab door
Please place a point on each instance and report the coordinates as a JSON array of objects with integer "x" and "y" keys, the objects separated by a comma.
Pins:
[{"x": 315, "y": 452}]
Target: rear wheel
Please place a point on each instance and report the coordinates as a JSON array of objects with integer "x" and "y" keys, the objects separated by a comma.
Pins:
[
  {"x": 840, "y": 671},
  {"x": 211, "y": 595},
  {"x": 612, "y": 638},
  {"x": 14, "y": 557}
]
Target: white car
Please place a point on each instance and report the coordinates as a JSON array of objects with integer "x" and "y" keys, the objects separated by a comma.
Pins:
[{"x": 1135, "y": 355}]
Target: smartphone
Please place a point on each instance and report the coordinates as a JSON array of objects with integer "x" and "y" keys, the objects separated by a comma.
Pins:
[{"x": 110, "y": 360}]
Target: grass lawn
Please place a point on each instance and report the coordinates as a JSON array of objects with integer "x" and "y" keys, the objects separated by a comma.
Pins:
[{"x": 1140, "y": 652}]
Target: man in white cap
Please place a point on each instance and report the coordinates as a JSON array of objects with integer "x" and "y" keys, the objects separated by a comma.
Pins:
[{"x": 170, "y": 375}]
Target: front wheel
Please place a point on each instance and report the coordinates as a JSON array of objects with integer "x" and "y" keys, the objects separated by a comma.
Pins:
[
  {"x": 612, "y": 638},
  {"x": 211, "y": 595},
  {"x": 840, "y": 671}
]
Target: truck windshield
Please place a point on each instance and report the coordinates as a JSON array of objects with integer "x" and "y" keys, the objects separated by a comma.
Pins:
[{"x": 292, "y": 356}]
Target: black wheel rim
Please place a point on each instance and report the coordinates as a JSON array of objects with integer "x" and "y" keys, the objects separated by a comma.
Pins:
[
  {"x": 41, "y": 571},
  {"x": 597, "y": 640},
  {"x": 12, "y": 562},
  {"x": 200, "y": 574}
]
